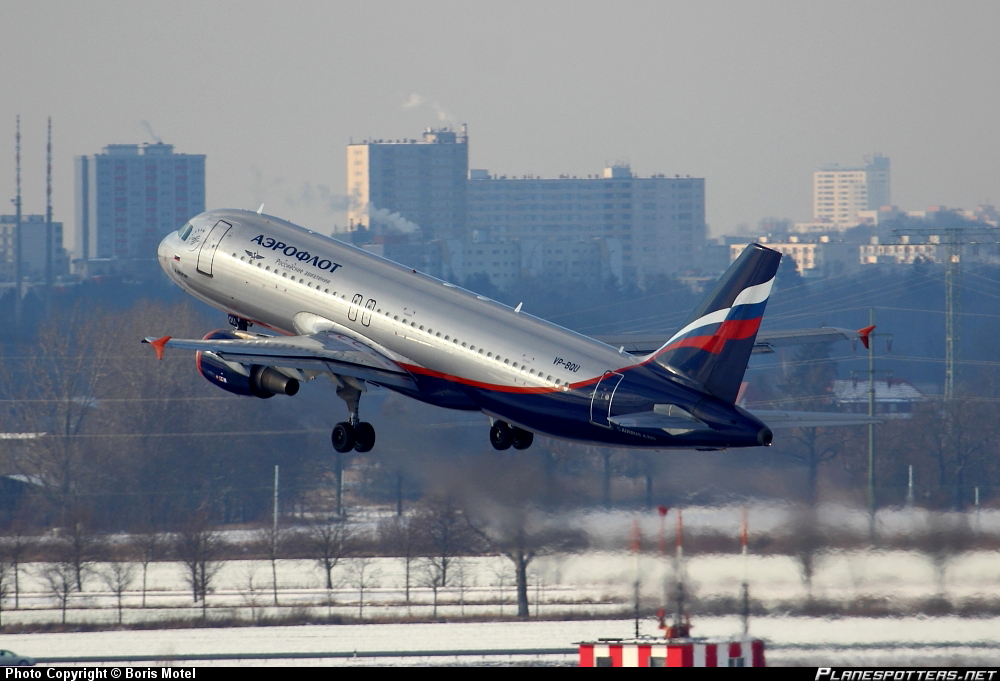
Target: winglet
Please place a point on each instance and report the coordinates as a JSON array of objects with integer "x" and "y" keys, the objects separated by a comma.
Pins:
[
  {"x": 158, "y": 345},
  {"x": 259, "y": 210},
  {"x": 864, "y": 333}
]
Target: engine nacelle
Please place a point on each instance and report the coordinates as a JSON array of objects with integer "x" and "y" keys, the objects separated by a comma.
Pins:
[{"x": 258, "y": 381}]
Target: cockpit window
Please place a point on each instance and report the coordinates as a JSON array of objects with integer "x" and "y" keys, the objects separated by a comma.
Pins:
[{"x": 185, "y": 231}]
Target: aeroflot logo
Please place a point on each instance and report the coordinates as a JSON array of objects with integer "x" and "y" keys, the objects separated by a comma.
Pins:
[{"x": 293, "y": 252}]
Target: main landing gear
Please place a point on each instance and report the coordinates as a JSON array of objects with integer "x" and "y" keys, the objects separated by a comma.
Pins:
[
  {"x": 503, "y": 436},
  {"x": 354, "y": 433}
]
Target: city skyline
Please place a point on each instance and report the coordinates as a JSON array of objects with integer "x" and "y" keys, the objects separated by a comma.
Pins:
[{"x": 738, "y": 94}]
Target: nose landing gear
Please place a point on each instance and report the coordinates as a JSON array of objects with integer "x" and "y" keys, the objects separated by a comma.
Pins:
[
  {"x": 354, "y": 433},
  {"x": 503, "y": 436}
]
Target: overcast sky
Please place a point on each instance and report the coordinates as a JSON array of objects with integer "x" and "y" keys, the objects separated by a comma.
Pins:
[{"x": 750, "y": 95}]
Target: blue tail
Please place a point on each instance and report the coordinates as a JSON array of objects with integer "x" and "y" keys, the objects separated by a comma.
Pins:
[{"x": 714, "y": 346}]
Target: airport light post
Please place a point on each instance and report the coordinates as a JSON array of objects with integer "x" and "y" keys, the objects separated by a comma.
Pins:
[
  {"x": 871, "y": 429},
  {"x": 872, "y": 497}
]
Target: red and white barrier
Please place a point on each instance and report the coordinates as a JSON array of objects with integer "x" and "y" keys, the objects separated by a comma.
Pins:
[{"x": 658, "y": 652}]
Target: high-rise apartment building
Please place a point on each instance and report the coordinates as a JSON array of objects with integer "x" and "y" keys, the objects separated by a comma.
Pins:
[
  {"x": 407, "y": 184},
  {"x": 129, "y": 197},
  {"x": 840, "y": 192},
  {"x": 659, "y": 220}
]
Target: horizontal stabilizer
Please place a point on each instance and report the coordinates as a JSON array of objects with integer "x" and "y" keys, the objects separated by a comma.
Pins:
[
  {"x": 323, "y": 351},
  {"x": 811, "y": 419},
  {"x": 767, "y": 341}
]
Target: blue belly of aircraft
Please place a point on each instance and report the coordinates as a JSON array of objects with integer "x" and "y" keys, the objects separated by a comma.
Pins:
[{"x": 574, "y": 415}]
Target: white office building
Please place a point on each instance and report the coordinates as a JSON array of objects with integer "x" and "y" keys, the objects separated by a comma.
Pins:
[{"x": 841, "y": 192}]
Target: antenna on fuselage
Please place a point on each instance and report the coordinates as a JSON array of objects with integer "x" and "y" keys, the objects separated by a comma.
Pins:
[{"x": 260, "y": 209}]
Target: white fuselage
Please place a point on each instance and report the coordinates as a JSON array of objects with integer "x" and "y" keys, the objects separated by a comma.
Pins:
[{"x": 275, "y": 274}]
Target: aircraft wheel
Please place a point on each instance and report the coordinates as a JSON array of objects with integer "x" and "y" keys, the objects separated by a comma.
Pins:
[
  {"x": 343, "y": 437},
  {"x": 364, "y": 436},
  {"x": 522, "y": 438},
  {"x": 501, "y": 436}
]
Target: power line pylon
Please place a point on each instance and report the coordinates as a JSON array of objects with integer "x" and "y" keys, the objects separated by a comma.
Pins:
[{"x": 954, "y": 239}]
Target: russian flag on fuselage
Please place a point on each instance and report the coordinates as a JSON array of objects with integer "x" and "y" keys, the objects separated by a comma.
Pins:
[{"x": 714, "y": 346}]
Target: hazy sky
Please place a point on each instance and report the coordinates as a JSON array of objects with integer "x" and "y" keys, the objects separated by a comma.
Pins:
[{"x": 750, "y": 95}]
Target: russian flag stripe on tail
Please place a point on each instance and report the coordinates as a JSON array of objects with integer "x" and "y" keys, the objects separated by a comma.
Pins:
[{"x": 713, "y": 348}]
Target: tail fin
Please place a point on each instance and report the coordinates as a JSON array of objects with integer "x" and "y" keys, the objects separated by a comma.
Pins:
[{"x": 713, "y": 348}]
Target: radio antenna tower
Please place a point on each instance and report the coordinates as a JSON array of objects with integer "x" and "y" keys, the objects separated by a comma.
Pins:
[
  {"x": 48, "y": 216},
  {"x": 18, "y": 276}
]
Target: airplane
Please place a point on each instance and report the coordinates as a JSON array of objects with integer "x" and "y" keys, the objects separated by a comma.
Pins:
[{"x": 361, "y": 319}]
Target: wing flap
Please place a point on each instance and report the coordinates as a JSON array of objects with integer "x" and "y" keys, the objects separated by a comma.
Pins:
[
  {"x": 767, "y": 341},
  {"x": 324, "y": 351}
]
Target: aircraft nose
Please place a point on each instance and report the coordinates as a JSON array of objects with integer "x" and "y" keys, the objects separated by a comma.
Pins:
[{"x": 165, "y": 251}]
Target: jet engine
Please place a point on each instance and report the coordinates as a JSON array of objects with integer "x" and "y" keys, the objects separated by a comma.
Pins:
[{"x": 256, "y": 380}]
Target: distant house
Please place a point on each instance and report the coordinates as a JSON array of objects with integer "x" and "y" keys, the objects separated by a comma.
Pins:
[
  {"x": 13, "y": 488},
  {"x": 893, "y": 398}
]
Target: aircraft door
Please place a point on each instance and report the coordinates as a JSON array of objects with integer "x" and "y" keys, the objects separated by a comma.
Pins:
[
  {"x": 600, "y": 401},
  {"x": 206, "y": 256}
]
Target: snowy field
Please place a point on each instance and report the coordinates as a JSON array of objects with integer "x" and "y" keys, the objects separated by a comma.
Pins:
[
  {"x": 588, "y": 585},
  {"x": 596, "y": 586},
  {"x": 799, "y": 641}
]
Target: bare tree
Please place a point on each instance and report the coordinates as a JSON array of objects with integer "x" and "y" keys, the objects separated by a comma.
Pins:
[
  {"x": 398, "y": 538},
  {"x": 251, "y": 589},
  {"x": 54, "y": 385},
  {"x": 270, "y": 541},
  {"x": 364, "y": 574},
  {"x": 60, "y": 578},
  {"x": 6, "y": 570},
  {"x": 118, "y": 576},
  {"x": 444, "y": 534},
  {"x": 463, "y": 580},
  {"x": 148, "y": 547},
  {"x": 329, "y": 541},
  {"x": 80, "y": 546},
  {"x": 522, "y": 534},
  {"x": 807, "y": 386},
  {"x": 199, "y": 546},
  {"x": 808, "y": 546},
  {"x": 16, "y": 546},
  {"x": 501, "y": 572},
  {"x": 946, "y": 537},
  {"x": 432, "y": 577}
]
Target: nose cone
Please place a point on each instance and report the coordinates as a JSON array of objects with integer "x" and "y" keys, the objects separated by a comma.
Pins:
[
  {"x": 166, "y": 251},
  {"x": 161, "y": 251}
]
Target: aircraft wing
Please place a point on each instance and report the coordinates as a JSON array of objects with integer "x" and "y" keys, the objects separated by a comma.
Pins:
[
  {"x": 767, "y": 341},
  {"x": 776, "y": 420},
  {"x": 323, "y": 351}
]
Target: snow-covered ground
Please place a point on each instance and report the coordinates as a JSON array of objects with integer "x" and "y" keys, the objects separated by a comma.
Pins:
[
  {"x": 591, "y": 585},
  {"x": 791, "y": 640}
]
